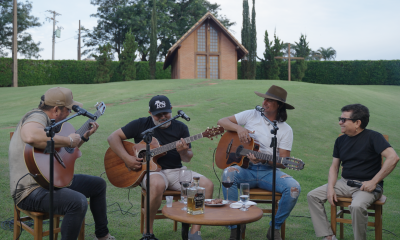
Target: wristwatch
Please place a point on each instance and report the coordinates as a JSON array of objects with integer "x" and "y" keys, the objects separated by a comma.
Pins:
[{"x": 85, "y": 139}]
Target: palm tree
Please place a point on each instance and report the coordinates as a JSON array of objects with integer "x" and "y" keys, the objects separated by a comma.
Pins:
[{"x": 328, "y": 53}]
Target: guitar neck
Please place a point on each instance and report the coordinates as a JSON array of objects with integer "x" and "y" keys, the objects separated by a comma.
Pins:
[
  {"x": 172, "y": 145},
  {"x": 262, "y": 156},
  {"x": 86, "y": 125}
]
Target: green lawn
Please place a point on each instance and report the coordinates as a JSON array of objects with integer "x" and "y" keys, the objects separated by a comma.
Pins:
[{"x": 314, "y": 122}]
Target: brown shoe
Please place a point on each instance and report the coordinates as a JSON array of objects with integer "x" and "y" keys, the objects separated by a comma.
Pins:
[
  {"x": 277, "y": 234},
  {"x": 234, "y": 232}
]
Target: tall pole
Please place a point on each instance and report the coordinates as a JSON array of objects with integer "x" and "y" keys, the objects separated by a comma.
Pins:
[
  {"x": 15, "y": 45},
  {"x": 79, "y": 41}
]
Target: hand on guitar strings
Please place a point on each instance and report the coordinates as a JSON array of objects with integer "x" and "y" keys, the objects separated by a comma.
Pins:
[
  {"x": 74, "y": 140},
  {"x": 243, "y": 134},
  {"x": 181, "y": 145},
  {"x": 134, "y": 163}
]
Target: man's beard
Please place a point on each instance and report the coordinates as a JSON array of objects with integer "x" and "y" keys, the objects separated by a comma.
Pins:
[{"x": 161, "y": 121}]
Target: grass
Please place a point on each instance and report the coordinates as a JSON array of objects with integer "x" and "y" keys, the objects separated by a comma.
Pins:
[{"x": 314, "y": 122}]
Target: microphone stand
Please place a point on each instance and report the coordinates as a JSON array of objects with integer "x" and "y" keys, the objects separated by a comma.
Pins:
[
  {"x": 147, "y": 138},
  {"x": 50, "y": 132},
  {"x": 274, "y": 131}
]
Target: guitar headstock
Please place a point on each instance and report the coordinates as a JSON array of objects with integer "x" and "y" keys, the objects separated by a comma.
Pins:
[
  {"x": 101, "y": 108},
  {"x": 212, "y": 132},
  {"x": 293, "y": 163}
]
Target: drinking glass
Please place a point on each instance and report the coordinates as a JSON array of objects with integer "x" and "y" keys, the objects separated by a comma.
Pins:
[
  {"x": 244, "y": 195},
  {"x": 228, "y": 177},
  {"x": 185, "y": 179}
]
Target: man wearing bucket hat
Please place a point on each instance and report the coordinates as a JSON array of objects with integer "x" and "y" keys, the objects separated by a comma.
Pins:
[
  {"x": 168, "y": 178},
  {"x": 250, "y": 124},
  {"x": 70, "y": 201}
]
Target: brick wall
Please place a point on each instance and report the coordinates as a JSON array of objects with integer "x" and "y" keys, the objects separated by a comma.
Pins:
[
  {"x": 186, "y": 58},
  {"x": 228, "y": 61}
]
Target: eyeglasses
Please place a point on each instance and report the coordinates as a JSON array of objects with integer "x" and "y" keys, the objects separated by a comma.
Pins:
[{"x": 343, "y": 120}]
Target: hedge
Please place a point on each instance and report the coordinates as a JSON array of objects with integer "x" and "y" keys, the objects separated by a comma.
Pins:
[{"x": 41, "y": 72}]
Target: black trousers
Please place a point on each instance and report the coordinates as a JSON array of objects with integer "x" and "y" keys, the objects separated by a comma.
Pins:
[{"x": 72, "y": 203}]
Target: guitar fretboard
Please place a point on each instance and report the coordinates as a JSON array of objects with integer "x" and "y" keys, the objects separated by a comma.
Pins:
[
  {"x": 261, "y": 156},
  {"x": 84, "y": 128},
  {"x": 172, "y": 145}
]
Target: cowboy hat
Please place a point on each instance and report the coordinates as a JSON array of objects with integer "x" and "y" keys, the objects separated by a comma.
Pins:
[{"x": 276, "y": 93}]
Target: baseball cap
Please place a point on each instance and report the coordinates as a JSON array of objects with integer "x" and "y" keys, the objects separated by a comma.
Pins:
[
  {"x": 60, "y": 96},
  {"x": 159, "y": 104}
]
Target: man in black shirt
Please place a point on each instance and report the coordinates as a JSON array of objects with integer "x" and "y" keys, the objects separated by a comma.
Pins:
[
  {"x": 359, "y": 150},
  {"x": 168, "y": 178}
]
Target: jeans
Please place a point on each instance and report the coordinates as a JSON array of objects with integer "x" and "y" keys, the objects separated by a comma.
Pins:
[
  {"x": 72, "y": 203},
  {"x": 260, "y": 176}
]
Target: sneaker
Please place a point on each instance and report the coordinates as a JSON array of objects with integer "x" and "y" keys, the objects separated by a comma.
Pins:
[
  {"x": 195, "y": 236},
  {"x": 333, "y": 238},
  {"x": 233, "y": 235},
  {"x": 277, "y": 234},
  {"x": 109, "y": 238}
]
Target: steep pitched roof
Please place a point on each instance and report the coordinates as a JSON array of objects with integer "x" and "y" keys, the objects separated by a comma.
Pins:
[{"x": 242, "y": 51}]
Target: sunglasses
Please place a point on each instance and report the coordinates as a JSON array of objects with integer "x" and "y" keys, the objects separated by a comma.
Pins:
[{"x": 343, "y": 120}]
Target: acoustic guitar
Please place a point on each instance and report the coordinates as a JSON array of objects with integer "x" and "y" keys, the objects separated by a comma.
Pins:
[
  {"x": 231, "y": 151},
  {"x": 37, "y": 161},
  {"x": 122, "y": 177}
]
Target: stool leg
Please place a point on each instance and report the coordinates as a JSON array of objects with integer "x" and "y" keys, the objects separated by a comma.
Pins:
[
  {"x": 82, "y": 232},
  {"x": 56, "y": 225},
  {"x": 38, "y": 228},
  {"x": 17, "y": 228},
  {"x": 283, "y": 230},
  {"x": 333, "y": 219},
  {"x": 378, "y": 222}
]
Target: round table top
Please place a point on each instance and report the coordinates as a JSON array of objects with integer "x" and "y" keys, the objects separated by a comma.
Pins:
[{"x": 215, "y": 216}]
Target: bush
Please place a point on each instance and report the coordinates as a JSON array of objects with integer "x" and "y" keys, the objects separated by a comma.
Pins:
[{"x": 43, "y": 72}]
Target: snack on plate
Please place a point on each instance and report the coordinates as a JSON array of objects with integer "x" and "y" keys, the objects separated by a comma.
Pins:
[{"x": 215, "y": 201}]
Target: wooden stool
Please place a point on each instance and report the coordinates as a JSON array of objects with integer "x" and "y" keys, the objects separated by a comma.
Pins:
[
  {"x": 338, "y": 217},
  {"x": 259, "y": 195},
  {"x": 38, "y": 217},
  {"x": 176, "y": 196}
]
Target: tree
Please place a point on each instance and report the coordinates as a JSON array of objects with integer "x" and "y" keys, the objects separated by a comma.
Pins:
[
  {"x": 270, "y": 65},
  {"x": 128, "y": 56},
  {"x": 153, "y": 42},
  {"x": 301, "y": 49},
  {"x": 104, "y": 63},
  {"x": 253, "y": 45},
  {"x": 327, "y": 54},
  {"x": 26, "y": 46},
  {"x": 174, "y": 18},
  {"x": 245, "y": 34}
]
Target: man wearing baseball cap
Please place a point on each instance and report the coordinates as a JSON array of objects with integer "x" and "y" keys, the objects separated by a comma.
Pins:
[
  {"x": 250, "y": 124},
  {"x": 168, "y": 178},
  {"x": 70, "y": 201}
]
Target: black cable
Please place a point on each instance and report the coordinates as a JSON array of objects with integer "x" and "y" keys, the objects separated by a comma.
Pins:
[{"x": 220, "y": 184}]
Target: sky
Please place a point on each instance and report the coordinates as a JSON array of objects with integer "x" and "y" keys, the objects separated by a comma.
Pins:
[{"x": 356, "y": 29}]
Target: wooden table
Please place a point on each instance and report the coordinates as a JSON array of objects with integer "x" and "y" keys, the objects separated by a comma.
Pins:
[{"x": 213, "y": 216}]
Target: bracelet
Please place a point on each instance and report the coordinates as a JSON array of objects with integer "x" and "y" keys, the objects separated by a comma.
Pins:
[
  {"x": 71, "y": 141},
  {"x": 85, "y": 139}
]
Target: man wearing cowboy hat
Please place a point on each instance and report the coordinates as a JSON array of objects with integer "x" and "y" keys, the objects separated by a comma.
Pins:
[{"x": 250, "y": 124}]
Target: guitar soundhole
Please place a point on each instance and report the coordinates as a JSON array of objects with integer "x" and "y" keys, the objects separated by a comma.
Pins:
[
  {"x": 69, "y": 150},
  {"x": 142, "y": 154}
]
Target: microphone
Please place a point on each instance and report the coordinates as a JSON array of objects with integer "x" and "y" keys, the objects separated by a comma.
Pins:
[
  {"x": 183, "y": 115},
  {"x": 83, "y": 112},
  {"x": 259, "y": 108},
  {"x": 355, "y": 183}
]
